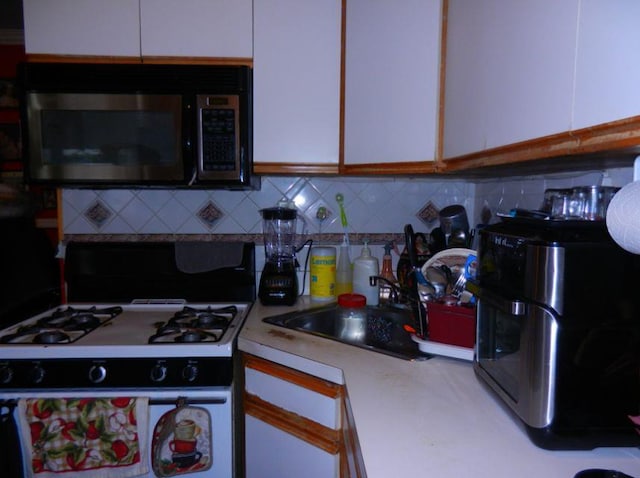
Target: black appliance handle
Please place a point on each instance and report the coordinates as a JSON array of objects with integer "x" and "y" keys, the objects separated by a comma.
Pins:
[{"x": 510, "y": 306}]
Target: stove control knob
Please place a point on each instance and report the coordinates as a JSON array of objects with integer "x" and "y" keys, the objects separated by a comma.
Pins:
[
  {"x": 97, "y": 373},
  {"x": 190, "y": 372},
  {"x": 36, "y": 374},
  {"x": 158, "y": 373},
  {"x": 6, "y": 374}
]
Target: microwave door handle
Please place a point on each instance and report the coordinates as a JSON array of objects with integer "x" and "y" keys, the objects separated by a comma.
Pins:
[{"x": 194, "y": 176}]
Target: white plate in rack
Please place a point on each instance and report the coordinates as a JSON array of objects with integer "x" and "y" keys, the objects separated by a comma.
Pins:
[
  {"x": 446, "y": 350},
  {"x": 454, "y": 258}
]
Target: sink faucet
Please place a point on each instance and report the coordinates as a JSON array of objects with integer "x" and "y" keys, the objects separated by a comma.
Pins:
[{"x": 394, "y": 289}]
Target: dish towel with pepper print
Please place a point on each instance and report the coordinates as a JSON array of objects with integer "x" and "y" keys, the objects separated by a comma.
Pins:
[{"x": 85, "y": 437}]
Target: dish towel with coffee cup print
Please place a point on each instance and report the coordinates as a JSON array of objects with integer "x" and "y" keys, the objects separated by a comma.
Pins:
[
  {"x": 182, "y": 442},
  {"x": 85, "y": 437}
]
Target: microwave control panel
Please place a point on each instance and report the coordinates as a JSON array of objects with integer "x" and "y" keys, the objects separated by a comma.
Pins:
[{"x": 218, "y": 135}]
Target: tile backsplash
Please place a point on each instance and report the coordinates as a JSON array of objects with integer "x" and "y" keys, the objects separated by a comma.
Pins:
[
  {"x": 380, "y": 206},
  {"x": 373, "y": 205}
]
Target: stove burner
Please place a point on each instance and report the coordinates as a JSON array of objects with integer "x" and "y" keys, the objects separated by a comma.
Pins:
[
  {"x": 191, "y": 336},
  {"x": 195, "y": 325},
  {"x": 51, "y": 337}
]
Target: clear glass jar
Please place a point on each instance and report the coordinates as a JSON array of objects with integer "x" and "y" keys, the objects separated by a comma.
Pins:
[{"x": 352, "y": 317}]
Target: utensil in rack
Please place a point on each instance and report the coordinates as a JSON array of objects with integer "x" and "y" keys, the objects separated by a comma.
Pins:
[
  {"x": 459, "y": 286},
  {"x": 419, "y": 280}
]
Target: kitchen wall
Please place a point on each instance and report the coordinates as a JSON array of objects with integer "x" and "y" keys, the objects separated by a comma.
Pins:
[{"x": 378, "y": 207}]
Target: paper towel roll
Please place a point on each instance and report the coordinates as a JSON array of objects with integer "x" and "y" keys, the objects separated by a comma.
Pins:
[{"x": 623, "y": 217}]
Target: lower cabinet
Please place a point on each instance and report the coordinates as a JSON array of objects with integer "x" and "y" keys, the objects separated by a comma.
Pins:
[{"x": 296, "y": 424}]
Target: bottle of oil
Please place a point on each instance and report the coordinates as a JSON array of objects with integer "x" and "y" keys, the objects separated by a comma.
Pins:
[{"x": 344, "y": 273}]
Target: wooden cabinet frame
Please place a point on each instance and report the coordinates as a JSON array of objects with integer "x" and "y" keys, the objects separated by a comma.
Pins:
[{"x": 342, "y": 441}]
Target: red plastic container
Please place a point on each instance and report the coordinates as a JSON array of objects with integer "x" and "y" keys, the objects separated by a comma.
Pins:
[{"x": 452, "y": 324}]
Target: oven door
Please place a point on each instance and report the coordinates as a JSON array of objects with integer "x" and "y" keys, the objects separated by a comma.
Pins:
[
  {"x": 516, "y": 355},
  {"x": 217, "y": 403}
]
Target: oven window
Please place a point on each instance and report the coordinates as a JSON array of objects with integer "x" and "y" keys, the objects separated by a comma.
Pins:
[{"x": 499, "y": 346}]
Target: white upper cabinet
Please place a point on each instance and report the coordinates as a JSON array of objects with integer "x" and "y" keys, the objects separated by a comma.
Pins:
[
  {"x": 296, "y": 76},
  {"x": 607, "y": 66},
  {"x": 200, "y": 28},
  {"x": 391, "y": 80},
  {"x": 134, "y": 28},
  {"x": 82, "y": 27},
  {"x": 509, "y": 71}
]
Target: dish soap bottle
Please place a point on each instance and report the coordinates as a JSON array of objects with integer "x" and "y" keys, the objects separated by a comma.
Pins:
[
  {"x": 344, "y": 273},
  {"x": 365, "y": 266}
]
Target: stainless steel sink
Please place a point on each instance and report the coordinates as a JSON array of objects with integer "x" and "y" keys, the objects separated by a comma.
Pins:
[{"x": 381, "y": 331}]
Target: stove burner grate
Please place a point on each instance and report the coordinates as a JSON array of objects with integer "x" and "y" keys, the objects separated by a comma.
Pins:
[
  {"x": 194, "y": 325},
  {"x": 63, "y": 326}
]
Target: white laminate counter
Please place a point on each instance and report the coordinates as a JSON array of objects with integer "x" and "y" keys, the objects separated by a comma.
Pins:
[{"x": 430, "y": 418}]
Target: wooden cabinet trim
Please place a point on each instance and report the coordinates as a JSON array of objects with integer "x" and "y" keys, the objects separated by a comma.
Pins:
[
  {"x": 311, "y": 432},
  {"x": 621, "y": 136},
  {"x": 442, "y": 81},
  {"x": 44, "y": 58},
  {"x": 158, "y": 60},
  {"x": 295, "y": 168},
  {"x": 197, "y": 60},
  {"x": 351, "y": 462},
  {"x": 309, "y": 382},
  {"x": 400, "y": 168}
]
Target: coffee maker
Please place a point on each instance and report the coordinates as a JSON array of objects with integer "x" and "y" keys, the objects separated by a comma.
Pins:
[{"x": 279, "y": 279}]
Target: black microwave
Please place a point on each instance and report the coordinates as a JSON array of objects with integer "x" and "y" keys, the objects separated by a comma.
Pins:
[{"x": 129, "y": 125}]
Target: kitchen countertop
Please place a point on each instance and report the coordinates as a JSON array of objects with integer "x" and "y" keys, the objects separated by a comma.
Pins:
[{"x": 422, "y": 418}]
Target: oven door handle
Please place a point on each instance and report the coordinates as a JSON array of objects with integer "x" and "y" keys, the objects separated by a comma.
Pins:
[
  {"x": 188, "y": 401},
  {"x": 510, "y": 306}
]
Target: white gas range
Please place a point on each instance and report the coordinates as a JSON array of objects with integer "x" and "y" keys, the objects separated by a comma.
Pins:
[
  {"x": 175, "y": 356},
  {"x": 146, "y": 344}
]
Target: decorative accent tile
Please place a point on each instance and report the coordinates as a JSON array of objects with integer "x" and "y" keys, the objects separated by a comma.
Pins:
[
  {"x": 98, "y": 214},
  {"x": 428, "y": 213},
  {"x": 209, "y": 214}
]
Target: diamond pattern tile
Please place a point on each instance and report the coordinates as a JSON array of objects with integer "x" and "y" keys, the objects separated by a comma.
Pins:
[
  {"x": 428, "y": 214},
  {"x": 209, "y": 214},
  {"x": 98, "y": 214}
]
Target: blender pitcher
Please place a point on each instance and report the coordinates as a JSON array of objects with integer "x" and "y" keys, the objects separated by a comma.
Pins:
[{"x": 279, "y": 279}]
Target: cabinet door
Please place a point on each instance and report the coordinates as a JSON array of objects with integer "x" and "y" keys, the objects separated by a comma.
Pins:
[
  {"x": 607, "y": 73},
  {"x": 296, "y": 112},
  {"x": 292, "y": 422},
  {"x": 196, "y": 28},
  {"x": 82, "y": 27},
  {"x": 272, "y": 452},
  {"x": 391, "y": 80},
  {"x": 509, "y": 72}
]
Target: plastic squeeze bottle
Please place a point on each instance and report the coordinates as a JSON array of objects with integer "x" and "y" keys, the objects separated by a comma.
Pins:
[
  {"x": 365, "y": 266},
  {"x": 344, "y": 273}
]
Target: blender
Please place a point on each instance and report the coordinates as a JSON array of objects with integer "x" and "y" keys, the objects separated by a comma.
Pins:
[{"x": 279, "y": 279}]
